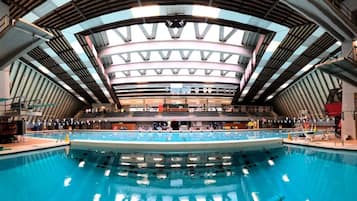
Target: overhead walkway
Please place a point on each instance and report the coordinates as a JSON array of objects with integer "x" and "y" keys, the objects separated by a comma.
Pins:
[
  {"x": 342, "y": 67},
  {"x": 334, "y": 16},
  {"x": 17, "y": 37}
]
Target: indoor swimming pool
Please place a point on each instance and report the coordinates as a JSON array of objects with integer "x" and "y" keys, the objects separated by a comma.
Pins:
[
  {"x": 289, "y": 173},
  {"x": 165, "y": 136}
]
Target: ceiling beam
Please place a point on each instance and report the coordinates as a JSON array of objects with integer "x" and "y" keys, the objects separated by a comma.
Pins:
[
  {"x": 175, "y": 45},
  {"x": 175, "y": 64},
  {"x": 175, "y": 78}
]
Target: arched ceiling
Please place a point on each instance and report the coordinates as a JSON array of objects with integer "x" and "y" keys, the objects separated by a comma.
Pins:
[{"x": 102, "y": 51}]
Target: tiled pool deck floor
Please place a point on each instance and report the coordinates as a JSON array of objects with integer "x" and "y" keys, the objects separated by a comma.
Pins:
[
  {"x": 28, "y": 144},
  {"x": 330, "y": 144}
]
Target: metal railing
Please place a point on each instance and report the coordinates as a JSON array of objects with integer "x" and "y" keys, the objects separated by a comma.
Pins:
[{"x": 18, "y": 104}]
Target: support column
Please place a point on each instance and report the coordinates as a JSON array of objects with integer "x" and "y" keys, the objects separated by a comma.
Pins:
[
  {"x": 5, "y": 83},
  {"x": 348, "y": 110},
  {"x": 349, "y": 106},
  {"x": 4, "y": 91}
]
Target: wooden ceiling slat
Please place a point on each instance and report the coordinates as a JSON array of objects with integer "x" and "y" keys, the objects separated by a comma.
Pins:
[
  {"x": 317, "y": 48},
  {"x": 287, "y": 43},
  {"x": 52, "y": 66},
  {"x": 67, "y": 54}
]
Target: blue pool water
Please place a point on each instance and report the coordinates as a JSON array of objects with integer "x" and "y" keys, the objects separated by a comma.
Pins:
[
  {"x": 166, "y": 136},
  {"x": 289, "y": 173}
]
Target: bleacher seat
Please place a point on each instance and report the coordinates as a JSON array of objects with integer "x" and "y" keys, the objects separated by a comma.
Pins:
[
  {"x": 116, "y": 114},
  {"x": 204, "y": 114},
  {"x": 144, "y": 114},
  {"x": 239, "y": 114},
  {"x": 175, "y": 113}
]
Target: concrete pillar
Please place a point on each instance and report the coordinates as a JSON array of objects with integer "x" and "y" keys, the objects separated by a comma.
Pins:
[
  {"x": 348, "y": 109},
  {"x": 348, "y": 101},
  {"x": 5, "y": 83},
  {"x": 5, "y": 88}
]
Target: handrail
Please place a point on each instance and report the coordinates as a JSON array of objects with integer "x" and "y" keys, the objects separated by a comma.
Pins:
[{"x": 19, "y": 103}]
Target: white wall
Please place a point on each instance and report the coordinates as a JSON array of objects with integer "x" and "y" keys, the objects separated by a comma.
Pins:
[{"x": 348, "y": 107}]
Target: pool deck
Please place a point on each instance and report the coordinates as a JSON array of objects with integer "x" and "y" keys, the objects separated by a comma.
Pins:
[
  {"x": 334, "y": 144},
  {"x": 30, "y": 144}
]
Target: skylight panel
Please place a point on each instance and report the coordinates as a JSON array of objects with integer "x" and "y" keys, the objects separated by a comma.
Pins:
[
  {"x": 307, "y": 67},
  {"x": 166, "y": 72},
  {"x": 145, "y": 11},
  {"x": 233, "y": 59},
  {"x": 213, "y": 34},
  {"x": 59, "y": 3},
  {"x": 202, "y": 26},
  {"x": 195, "y": 56},
  {"x": 77, "y": 47},
  {"x": 75, "y": 77},
  {"x": 216, "y": 73},
  {"x": 245, "y": 91},
  {"x": 300, "y": 50},
  {"x": 270, "y": 97},
  {"x": 155, "y": 56},
  {"x": 175, "y": 56},
  {"x": 205, "y": 11},
  {"x": 44, "y": 69},
  {"x": 231, "y": 74},
  {"x": 137, "y": 33},
  {"x": 163, "y": 32},
  {"x": 200, "y": 72},
  {"x": 113, "y": 38},
  {"x": 215, "y": 57},
  {"x": 236, "y": 38},
  {"x": 117, "y": 59},
  {"x": 284, "y": 85},
  {"x": 135, "y": 57},
  {"x": 31, "y": 17},
  {"x": 119, "y": 74},
  {"x": 66, "y": 87},
  {"x": 81, "y": 98},
  {"x": 189, "y": 32},
  {"x": 43, "y": 9},
  {"x": 65, "y": 67},
  {"x": 134, "y": 73},
  {"x": 273, "y": 46},
  {"x": 95, "y": 76},
  {"x": 184, "y": 72}
]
